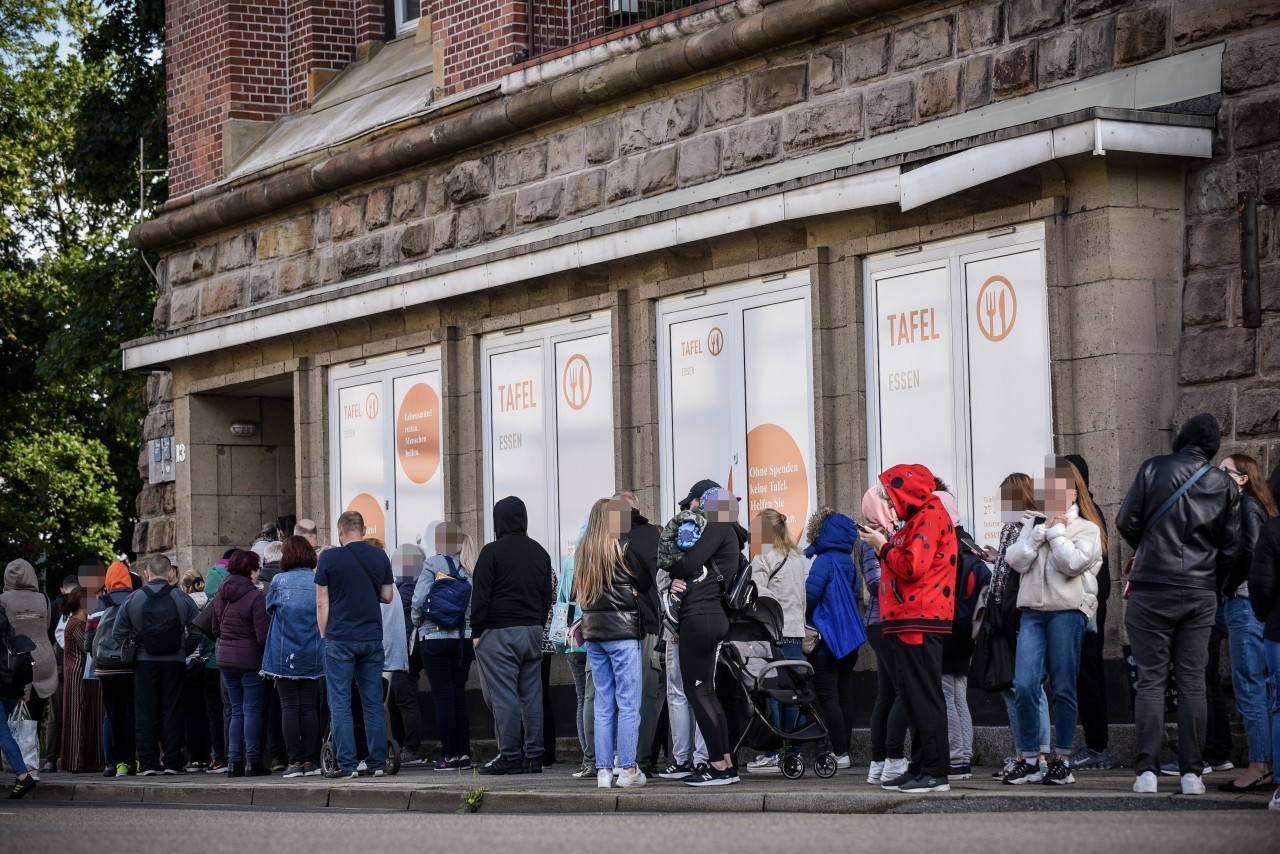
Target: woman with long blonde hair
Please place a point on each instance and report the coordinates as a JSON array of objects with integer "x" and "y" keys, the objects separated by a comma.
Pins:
[{"x": 608, "y": 578}]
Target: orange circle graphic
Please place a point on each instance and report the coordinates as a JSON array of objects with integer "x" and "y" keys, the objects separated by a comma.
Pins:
[
  {"x": 371, "y": 405},
  {"x": 418, "y": 433},
  {"x": 575, "y": 382},
  {"x": 371, "y": 509},
  {"x": 777, "y": 477},
  {"x": 993, "y": 306},
  {"x": 715, "y": 341}
]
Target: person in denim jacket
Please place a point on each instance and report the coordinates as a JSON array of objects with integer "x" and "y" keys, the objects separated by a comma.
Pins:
[{"x": 293, "y": 656}]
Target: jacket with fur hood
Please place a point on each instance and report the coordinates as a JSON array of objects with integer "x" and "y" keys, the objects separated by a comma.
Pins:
[
  {"x": 28, "y": 611},
  {"x": 513, "y": 582},
  {"x": 918, "y": 564},
  {"x": 1059, "y": 564}
]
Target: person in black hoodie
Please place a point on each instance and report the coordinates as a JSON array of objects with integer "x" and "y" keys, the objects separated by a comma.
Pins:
[
  {"x": 512, "y": 589},
  {"x": 1185, "y": 556},
  {"x": 643, "y": 539},
  {"x": 704, "y": 622}
]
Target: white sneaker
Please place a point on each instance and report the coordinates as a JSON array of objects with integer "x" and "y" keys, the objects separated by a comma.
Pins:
[
  {"x": 764, "y": 765},
  {"x": 1146, "y": 783},
  {"x": 363, "y": 766},
  {"x": 604, "y": 779},
  {"x": 631, "y": 780},
  {"x": 1192, "y": 784},
  {"x": 842, "y": 761},
  {"x": 379, "y": 772},
  {"x": 893, "y": 769},
  {"x": 1275, "y": 801},
  {"x": 584, "y": 771},
  {"x": 875, "y": 773}
]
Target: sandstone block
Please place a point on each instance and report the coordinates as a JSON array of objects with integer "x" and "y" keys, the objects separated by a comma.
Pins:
[
  {"x": 622, "y": 178},
  {"x": 979, "y": 26},
  {"x": 1271, "y": 352},
  {"x": 296, "y": 273},
  {"x": 1204, "y": 299},
  {"x": 977, "y": 81},
  {"x": 1213, "y": 188},
  {"x": 346, "y": 219},
  {"x": 1197, "y": 22},
  {"x": 1097, "y": 46},
  {"x": 1081, "y": 9},
  {"x": 469, "y": 228},
  {"x": 1027, "y": 17},
  {"x": 1270, "y": 281},
  {"x": 444, "y": 231},
  {"x": 361, "y": 256},
  {"x": 262, "y": 284},
  {"x": 223, "y": 295},
  {"x": 184, "y": 306},
  {"x": 522, "y": 166},
  {"x": 468, "y": 181},
  {"x": 778, "y": 86},
  {"x": 823, "y": 123},
  {"x": 699, "y": 159},
  {"x": 1057, "y": 59},
  {"x": 539, "y": 203},
  {"x": 140, "y": 530},
  {"x": 1217, "y": 400},
  {"x": 1250, "y": 63},
  {"x": 1141, "y": 34},
  {"x": 237, "y": 252},
  {"x": 1216, "y": 354},
  {"x": 658, "y": 171},
  {"x": 749, "y": 145},
  {"x": 192, "y": 265},
  {"x": 415, "y": 241},
  {"x": 889, "y": 107},
  {"x": 157, "y": 424},
  {"x": 1213, "y": 243},
  {"x": 409, "y": 200},
  {"x": 685, "y": 115},
  {"x": 160, "y": 535},
  {"x": 925, "y": 42},
  {"x": 725, "y": 102},
  {"x": 867, "y": 58},
  {"x": 584, "y": 192},
  {"x": 1255, "y": 122},
  {"x": 377, "y": 211},
  {"x": 497, "y": 217},
  {"x": 1258, "y": 412},
  {"x": 287, "y": 238},
  {"x": 826, "y": 71},
  {"x": 437, "y": 194},
  {"x": 939, "y": 92},
  {"x": 1014, "y": 70},
  {"x": 600, "y": 141},
  {"x": 565, "y": 153}
]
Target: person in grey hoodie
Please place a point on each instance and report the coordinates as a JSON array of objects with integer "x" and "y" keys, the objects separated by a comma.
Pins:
[
  {"x": 28, "y": 611},
  {"x": 160, "y": 670}
]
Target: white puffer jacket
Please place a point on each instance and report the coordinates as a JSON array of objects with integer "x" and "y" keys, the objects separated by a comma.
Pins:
[{"x": 1058, "y": 565}]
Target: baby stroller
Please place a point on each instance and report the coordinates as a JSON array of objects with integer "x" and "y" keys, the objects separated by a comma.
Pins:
[
  {"x": 750, "y": 655},
  {"x": 329, "y": 754}
]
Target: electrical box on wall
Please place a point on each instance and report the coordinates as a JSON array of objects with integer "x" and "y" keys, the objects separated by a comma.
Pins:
[{"x": 161, "y": 455}]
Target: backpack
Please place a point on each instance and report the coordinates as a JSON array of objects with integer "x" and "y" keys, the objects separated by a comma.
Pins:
[
  {"x": 972, "y": 576},
  {"x": 107, "y": 653},
  {"x": 17, "y": 670},
  {"x": 447, "y": 600},
  {"x": 161, "y": 630}
]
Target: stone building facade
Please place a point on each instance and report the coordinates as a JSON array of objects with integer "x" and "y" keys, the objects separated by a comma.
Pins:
[{"x": 705, "y": 159}]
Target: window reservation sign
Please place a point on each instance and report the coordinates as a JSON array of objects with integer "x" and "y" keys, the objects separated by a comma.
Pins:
[{"x": 958, "y": 361}]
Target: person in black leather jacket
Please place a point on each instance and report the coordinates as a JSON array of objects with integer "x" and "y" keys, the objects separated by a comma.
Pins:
[{"x": 1185, "y": 557}]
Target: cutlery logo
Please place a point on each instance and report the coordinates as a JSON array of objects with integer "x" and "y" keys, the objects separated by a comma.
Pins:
[
  {"x": 715, "y": 340},
  {"x": 575, "y": 384},
  {"x": 997, "y": 308},
  {"x": 371, "y": 406}
]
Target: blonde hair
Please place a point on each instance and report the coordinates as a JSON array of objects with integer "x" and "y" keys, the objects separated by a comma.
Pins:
[
  {"x": 1084, "y": 501},
  {"x": 777, "y": 523},
  {"x": 1024, "y": 487},
  {"x": 597, "y": 553},
  {"x": 192, "y": 581},
  {"x": 468, "y": 554}
]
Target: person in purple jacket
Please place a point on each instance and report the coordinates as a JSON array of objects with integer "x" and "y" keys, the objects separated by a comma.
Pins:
[{"x": 240, "y": 625}]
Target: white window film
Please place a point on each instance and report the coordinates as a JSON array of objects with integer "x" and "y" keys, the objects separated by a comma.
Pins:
[
  {"x": 737, "y": 396},
  {"x": 958, "y": 363},
  {"x": 549, "y": 425},
  {"x": 386, "y": 446}
]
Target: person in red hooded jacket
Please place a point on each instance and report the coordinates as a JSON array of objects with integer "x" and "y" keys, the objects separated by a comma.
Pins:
[{"x": 917, "y": 603}]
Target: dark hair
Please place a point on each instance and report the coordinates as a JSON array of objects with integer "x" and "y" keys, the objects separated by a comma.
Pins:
[
  {"x": 1254, "y": 486},
  {"x": 297, "y": 553},
  {"x": 243, "y": 563},
  {"x": 71, "y": 579},
  {"x": 229, "y": 553},
  {"x": 72, "y": 603}
]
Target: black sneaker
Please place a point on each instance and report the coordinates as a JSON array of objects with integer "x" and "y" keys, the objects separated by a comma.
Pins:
[
  {"x": 676, "y": 771},
  {"x": 256, "y": 771},
  {"x": 711, "y": 777},
  {"x": 926, "y": 783},
  {"x": 237, "y": 769},
  {"x": 21, "y": 787},
  {"x": 894, "y": 784},
  {"x": 533, "y": 765},
  {"x": 340, "y": 775},
  {"x": 1023, "y": 772},
  {"x": 1059, "y": 774},
  {"x": 501, "y": 765},
  {"x": 960, "y": 772}
]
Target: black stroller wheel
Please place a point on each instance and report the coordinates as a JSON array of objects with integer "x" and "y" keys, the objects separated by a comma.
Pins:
[
  {"x": 328, "y": 756},
  {"x": 825, "y": 767},
  {"x": 392, "y": 765},
  {"x": 793, "y": 766}
]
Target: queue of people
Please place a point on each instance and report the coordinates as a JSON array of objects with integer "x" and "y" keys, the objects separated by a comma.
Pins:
[{"x": 234, "y": 672}]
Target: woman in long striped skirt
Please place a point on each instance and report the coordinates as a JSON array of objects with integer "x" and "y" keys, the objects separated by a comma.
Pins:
[{"x": 81, "y": 704}]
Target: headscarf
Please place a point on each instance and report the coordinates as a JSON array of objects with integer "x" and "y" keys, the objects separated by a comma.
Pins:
[
  {"x": 876, "y": 510},
  {"x": 118, "y": 577},
  {"x": 950, "y": 504}
]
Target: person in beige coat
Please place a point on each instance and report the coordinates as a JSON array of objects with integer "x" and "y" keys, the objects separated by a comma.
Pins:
[
  {"x": 1058, "y": 555},
  {"x": 28, "y": 611}
]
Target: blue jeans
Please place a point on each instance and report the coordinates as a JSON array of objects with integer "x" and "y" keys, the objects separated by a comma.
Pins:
[
  {"x": 8, "y": 744},
  {"x": 244, "y": 733},
  {"x": 361, "y": 662},
  {"x": 1047, "y": 640},
  {"x": 1272, "y": 650},
  {"x": 615, "y": 669},
  {"x": 1249, "y": 676},
  {"x": 1042, "y": 721}
]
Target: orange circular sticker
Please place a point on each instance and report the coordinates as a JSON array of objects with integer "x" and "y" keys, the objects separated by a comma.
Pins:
[
  {"x": 371, "y": 405},
  {"x": 371, "y": 509},
  {"x": 575, "y": 383},
  {"x": 997, "y": 308},
  {"x": 418, "y": 433},
  {"x": 715, "y": 341},
  {"x": 777, "y": 477}
]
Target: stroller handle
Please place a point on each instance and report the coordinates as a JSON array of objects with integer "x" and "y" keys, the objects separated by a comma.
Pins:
[{"x": 803, "y": 668}]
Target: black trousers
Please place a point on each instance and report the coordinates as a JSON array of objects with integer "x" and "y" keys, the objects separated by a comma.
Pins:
[
  {"x": 833, "y": 680},
  {"x": 888, "y": 721},
  {"x": 919, "y": 683},
  {"x": 158, "y": 712},
  {"x": 1091, "y": 688},
  {"x": 117, "y": 702},
  {"x": 700, "y": 637},
  {"x": 196, "y": 719},
  {"x": 272, "y": 732},
  {"x": 1217, "y": 733},
  {"x": 211, "y": 685},
  {"x": 300, "y": 719},
  {"x": 406, "y": 713}
]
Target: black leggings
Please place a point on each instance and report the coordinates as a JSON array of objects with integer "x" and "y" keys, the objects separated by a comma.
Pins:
[
  {"x": 300, "y": 719},
  {"x": 117, "y": 702},
  {"x": 888, "y": 720},
  {"x": 833, "y": 680},
  {"x": 700, "y": 637}
]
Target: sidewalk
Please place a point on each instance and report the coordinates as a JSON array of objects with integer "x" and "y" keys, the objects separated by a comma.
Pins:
[{"x": 554, "y": 791}]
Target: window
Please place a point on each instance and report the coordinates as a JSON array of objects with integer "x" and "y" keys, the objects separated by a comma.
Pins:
[
  {"x": 548, "y": 432},
  {"x": 407, "y": 14},
  {"x": 736, "y": 369},
  {"x": 387, "y": 463},
  {"x": 958, "y": 366}
]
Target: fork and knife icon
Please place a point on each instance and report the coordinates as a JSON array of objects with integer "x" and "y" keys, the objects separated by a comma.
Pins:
[
  {"x": 997, "y": 297},
  {"x": 577, "y": 382}
]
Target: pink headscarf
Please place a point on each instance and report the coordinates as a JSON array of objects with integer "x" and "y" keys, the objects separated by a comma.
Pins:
[
  {"x": 950, "y": 504},
  {"x": 876, "y": 510}
]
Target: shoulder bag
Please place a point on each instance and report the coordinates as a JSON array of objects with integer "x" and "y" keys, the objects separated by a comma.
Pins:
[{"x": 1163, "y": 509}]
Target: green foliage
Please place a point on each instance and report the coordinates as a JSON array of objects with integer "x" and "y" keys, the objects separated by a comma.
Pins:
[
  {"x": 471, "y": 800},
  {"x": 58, "y": 499}
]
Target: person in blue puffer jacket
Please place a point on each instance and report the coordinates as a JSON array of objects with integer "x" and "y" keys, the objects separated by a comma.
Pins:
[{"x": 831, "y": 606}]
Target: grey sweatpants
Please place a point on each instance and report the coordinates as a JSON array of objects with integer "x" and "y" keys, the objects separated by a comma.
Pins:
[
  {"x": 955, "y": 690},
  {"x": 510, "y": 662},
  {"x": 1170, "y": 626}
]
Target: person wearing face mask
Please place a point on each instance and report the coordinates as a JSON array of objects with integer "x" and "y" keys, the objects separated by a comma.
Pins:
[{"x": 1058, "y": 560}]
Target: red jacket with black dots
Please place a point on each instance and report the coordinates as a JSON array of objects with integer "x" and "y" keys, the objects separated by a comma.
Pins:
[{"x": 918, "y": 565}]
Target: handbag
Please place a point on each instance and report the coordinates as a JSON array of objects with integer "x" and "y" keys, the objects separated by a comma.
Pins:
[
  {"x": 204, "y": 620},
  {"x": 992, "y": 665},
  {"x": 560, "y": 623},
  {"x": 25, "y": 732},
  {"x": 812, "y": 637},
  {"x": 1163, "y": 509}
]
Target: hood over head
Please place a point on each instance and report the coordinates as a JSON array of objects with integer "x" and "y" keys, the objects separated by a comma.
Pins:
[
  {"x": 510, "y": 517},
  {"x": 20, "y": 575},
  {"x": 235, "y": 587},
  {"x": 118, "y": 577},
  {"x": 838, "y": 534},
  {"x": 876, "y": 510},
  {"x": 910, "y": 487},
  {"x": 638, "y": 518},
  {"x": 1201, "y": 432}
]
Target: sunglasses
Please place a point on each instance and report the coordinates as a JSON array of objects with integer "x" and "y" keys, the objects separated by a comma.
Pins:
[{"x": 1233, "y": 472}]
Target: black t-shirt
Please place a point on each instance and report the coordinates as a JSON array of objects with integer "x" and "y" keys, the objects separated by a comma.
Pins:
[{"x": 355, "y": 610}]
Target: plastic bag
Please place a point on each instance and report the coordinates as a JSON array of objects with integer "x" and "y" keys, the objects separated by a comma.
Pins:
[{"x": 26, "y": 733}]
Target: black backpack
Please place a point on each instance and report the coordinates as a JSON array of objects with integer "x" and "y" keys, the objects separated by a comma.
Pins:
[
  {"x": 17, "y": 670},
  {"x": 161, "y": 630}
]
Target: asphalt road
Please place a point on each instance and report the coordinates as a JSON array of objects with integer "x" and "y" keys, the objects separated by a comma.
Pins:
[{"x": 36, "y": 827}]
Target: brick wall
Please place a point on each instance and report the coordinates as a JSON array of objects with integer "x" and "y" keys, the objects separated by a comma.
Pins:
[
  {"x": 251, "y": 62},
  {"x": 477, "y": 40}
]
